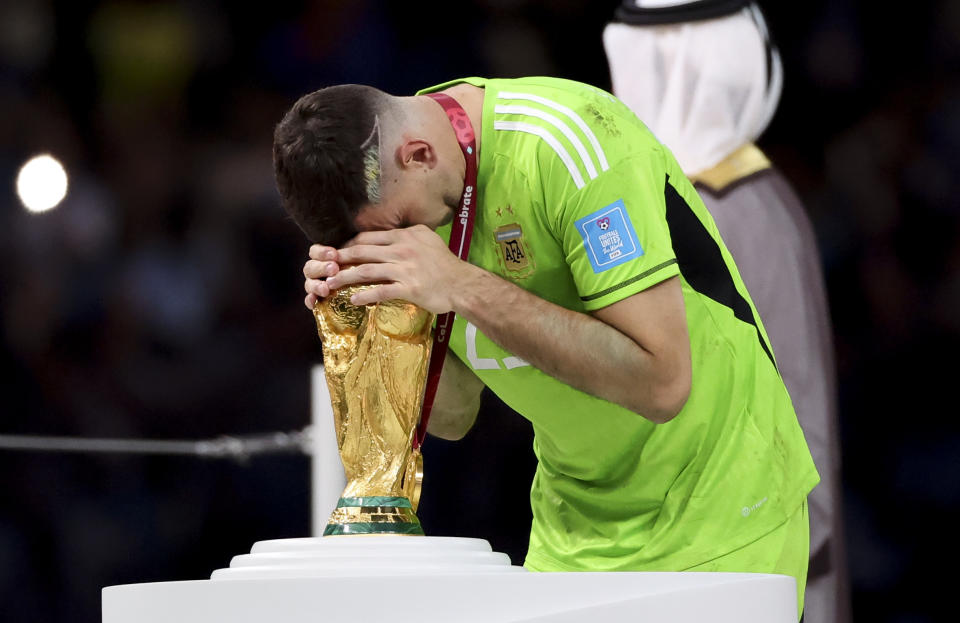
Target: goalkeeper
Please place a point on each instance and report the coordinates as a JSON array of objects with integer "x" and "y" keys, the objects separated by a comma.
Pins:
[{"x": 598, "y": 301}]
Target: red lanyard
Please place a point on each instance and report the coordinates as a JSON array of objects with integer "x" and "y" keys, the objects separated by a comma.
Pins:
[{"x": 460, "y": 236}]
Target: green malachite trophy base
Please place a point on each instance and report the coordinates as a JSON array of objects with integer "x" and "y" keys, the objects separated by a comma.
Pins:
[
  {"x": 373, "y": 515},
  {"x": 373, "y": 528}
]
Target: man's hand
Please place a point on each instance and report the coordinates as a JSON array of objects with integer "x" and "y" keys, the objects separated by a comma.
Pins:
[
  {"x": 413, "y": 264},
  {"x": 322, "y": 264}
]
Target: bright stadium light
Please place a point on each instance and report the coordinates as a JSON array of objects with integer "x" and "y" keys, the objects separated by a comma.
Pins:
[{"x": 41, "y": 183}]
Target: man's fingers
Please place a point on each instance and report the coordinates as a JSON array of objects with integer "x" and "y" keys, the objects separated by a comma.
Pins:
[
  {"x": 377, "y": 294},
  {"x": 320, "y": 252},
  {"x": 369, "y": 253},
  {"x": 364, "y": 273},
  {"x": 379, "y": 238},
  {"x": 310, "y": 301},
  {"x": 321, "y": 289},
  {"x": 316, "y": 269}
]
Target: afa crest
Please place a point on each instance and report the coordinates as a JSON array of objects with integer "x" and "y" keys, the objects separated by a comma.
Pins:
[{"x": 514, "y": 253}]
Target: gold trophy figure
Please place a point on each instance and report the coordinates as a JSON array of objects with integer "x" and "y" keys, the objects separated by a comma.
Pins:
[{"x": 375, "y": 358}]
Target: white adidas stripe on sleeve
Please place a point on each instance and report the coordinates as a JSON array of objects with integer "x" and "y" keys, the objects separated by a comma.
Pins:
[
  {"x": 558, "y": 124},
  {"x": 566, "y": 110},
  {"x": 550, "y": 139}
]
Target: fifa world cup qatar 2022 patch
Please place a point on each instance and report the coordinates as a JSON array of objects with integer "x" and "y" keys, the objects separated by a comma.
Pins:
[
  {"x": 514, "y": 253},
  {"x": 609, "y": 237}
]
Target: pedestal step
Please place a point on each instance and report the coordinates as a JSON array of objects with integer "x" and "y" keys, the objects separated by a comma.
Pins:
[{"x": 358, "y": 555}]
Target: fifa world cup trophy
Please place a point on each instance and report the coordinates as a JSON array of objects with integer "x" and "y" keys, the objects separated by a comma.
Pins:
[{"x": 376, "y": 359}]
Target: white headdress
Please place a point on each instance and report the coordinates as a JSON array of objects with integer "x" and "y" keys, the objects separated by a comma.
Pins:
[{"x": 705, "y": 85}]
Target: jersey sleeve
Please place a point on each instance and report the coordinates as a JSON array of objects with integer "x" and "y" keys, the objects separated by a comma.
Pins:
[{"x": 614, "y": 231}]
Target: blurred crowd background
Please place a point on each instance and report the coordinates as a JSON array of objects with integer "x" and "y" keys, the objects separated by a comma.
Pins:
[{"x": 162, "y": 298}]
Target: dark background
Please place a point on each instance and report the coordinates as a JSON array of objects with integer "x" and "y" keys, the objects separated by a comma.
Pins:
[{"x": 162, "y": 299}]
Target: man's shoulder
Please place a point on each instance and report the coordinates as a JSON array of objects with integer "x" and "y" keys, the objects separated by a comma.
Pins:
[
  {"x": 474, "y": 80},
  {"x": 574, "y": 126},
  {"x": 556, "y": 89},
  {"x": 560, "y": 90}
]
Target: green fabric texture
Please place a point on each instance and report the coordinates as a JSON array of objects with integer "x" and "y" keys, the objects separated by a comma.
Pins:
[
  {"x": 783, "y": 551},
  {"x": 614, "y": 491}
]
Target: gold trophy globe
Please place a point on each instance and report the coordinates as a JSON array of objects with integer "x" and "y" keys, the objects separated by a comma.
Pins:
[{"x": 375, "y": 358}]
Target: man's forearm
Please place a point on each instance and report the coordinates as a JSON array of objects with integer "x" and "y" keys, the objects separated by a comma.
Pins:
[
  {"x": 573, "y": 347},
  {"x": 457, "y": 401},
  {"x": 635, "y": 352}
]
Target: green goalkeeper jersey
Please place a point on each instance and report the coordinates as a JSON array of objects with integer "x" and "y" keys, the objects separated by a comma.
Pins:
[{"x": 579, "y": 204}]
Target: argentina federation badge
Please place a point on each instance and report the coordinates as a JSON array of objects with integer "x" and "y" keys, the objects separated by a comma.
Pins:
[
  {"x": 514, "y": 253},
  {"x": 609, "y": 238}
]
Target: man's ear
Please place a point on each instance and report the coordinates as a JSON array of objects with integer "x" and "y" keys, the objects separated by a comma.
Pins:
[{"x": 416, "y": 153}]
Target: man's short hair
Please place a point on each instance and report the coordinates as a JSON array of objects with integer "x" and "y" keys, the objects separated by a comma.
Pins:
[{"x": 326, "y": 159}]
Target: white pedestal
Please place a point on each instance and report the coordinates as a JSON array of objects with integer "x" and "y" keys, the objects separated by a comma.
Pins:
[
  {"x": 437, "y": 579},
  {"x": 326, "y": 469}
]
